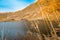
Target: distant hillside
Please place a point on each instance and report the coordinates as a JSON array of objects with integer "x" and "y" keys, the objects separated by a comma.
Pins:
[{"x": 42, "y": 9}]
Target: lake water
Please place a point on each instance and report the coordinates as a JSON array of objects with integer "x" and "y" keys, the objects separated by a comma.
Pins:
[{"x": 13, "y": 28}]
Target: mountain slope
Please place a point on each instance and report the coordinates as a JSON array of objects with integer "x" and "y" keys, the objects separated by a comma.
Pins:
[{"x": 42, "y": 9}]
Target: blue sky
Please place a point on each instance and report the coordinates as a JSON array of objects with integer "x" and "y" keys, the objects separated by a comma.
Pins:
[{"x": 14, "y": 5}]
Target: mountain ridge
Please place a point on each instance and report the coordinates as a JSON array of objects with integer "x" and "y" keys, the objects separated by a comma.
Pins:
[{"x": 42, "y": 9}]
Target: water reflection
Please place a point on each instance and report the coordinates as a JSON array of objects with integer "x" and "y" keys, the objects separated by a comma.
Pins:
[{"x": 13, "y": 28}]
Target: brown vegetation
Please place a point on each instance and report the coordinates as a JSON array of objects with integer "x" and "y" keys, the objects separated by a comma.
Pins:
[{"x": 43, "y": 20}]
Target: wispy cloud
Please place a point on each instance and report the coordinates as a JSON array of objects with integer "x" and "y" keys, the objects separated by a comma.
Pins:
[{"x": 14, "y": 5}]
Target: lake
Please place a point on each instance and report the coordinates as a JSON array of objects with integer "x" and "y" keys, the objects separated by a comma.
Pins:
[{"x": 13, "y": 28}]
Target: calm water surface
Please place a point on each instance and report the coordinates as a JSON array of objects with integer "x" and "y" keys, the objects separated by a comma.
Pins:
[{"x": 13, "y": 28}]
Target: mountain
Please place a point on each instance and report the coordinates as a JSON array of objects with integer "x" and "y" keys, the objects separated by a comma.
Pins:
[{"x": 42, "y": 9}]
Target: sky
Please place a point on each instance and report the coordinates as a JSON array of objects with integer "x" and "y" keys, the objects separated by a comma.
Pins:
[{"x": 14, "y": 5}]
